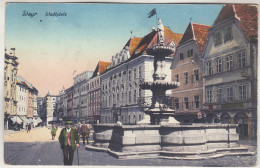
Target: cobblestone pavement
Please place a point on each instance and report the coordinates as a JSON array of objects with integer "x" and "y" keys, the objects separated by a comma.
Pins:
[{"x": 43, "y": 151}]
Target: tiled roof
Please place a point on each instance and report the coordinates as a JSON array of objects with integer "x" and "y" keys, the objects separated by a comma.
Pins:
[
  {"x": 201, "y": 35},
  {"x": 188, "y": 34},
  {"x": 146, "y": 40},
  {"x": 21, "y": 80},
  {"x": 100, "y": 68},
  {"x": 103, "y": 66},
  {"x": 247, "y": 18},
  {"x": 132, "y": 44},
  {"x": 151, "y": 39},
  {"x": 169, "y": 36},
  {"x": 197, "y": 32},
  {"x": 246, "y": 15}
]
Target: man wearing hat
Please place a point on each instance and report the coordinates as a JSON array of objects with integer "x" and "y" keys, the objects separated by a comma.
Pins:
[{"x": 69, "y": 140}]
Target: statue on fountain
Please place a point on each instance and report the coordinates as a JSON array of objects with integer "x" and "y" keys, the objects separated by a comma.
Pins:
[{"x": 160, "y": 30}]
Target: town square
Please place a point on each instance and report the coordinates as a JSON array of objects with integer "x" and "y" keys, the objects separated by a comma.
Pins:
[{"x": 105, "y": 84}]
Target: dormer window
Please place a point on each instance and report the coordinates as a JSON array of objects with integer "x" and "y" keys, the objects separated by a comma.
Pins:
[
  {"x": 190, "y": 53},
  {"x": 181, "y": 56},
  {"x": 227, "y": 34},
  {"x": 217, "y": 38}
]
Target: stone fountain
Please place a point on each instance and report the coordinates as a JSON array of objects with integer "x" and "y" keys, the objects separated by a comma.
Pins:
[
  {"x": 159, "y": 111},
  {"x": 159, "y": 135}
]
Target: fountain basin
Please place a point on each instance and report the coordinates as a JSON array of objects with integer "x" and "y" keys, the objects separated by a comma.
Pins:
[
  {"x": 165, "y": 85},
  {"x": 160, "y": 50},
  {"x": 170, "y": 141}
]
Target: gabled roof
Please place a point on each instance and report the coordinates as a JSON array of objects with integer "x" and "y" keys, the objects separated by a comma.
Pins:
[
  {"x": 146, "y": 40},
  {"x": 246, "y": 16},
  {"x": 100, "y": 68},
  {"x": 188, "y": 34},
  {"x": 151, "y": 39},
  {"x": 201, "y": 35},
  {"x": 198, "y": 33},
  {"x": 132, "y": 43}
]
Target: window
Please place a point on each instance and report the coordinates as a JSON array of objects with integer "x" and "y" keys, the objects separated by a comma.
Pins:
[
  {"x": 177, "y": 105},
  {"x": 209, "y": 68},
  {"x": 140, "y": 71},
  {"x": 129, "y": 96},
  {"x": 230, "y": 94},
  {"x": 227, "y": 34},
  {"x": 219, "y": 65},
  {"x": 242, "y": 92},
  {"x": 186, "y": 78},
  {"x": 219, "y": 95},
  {"x": 196, "y": 74},
  {"x": 186, "y": 102},
  {"x": 140, "y": 117},
  {"x": 190, "y": 53},
  {"x": 177, "y": 78},
  {"x": 217, "y": 38},
  {"x": 242, "y": 59},
  {"x": 209, "y": 96},
  {"x": 196, "y": 101},
  {"x": 129, "y": 75},
  {"x": 229, "y": 61},
  {"x": 134, "y": 73},
  {"x": 140, "y": 93},
  {"x": 181, "y": 56},
  {"x": 135, "y": 96}
]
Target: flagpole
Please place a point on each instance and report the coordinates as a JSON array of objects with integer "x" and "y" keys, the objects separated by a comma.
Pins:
[{"x": 156, "y": 18}]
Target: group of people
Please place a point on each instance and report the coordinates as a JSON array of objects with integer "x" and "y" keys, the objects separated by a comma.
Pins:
[{"x": 69, "y": 139}]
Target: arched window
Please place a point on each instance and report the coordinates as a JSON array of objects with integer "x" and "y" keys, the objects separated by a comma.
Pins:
[
  {"x": 129, "y": 119},
  {"x": 140, "y": 117},
  {"x": 134, "y": 119}
]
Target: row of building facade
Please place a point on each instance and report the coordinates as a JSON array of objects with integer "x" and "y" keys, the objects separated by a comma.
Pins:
[
  {"x": 215, "y": 65},
  {"x": 20, "y": 97}
]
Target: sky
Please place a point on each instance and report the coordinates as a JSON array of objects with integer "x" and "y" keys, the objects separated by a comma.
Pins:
[{"x": 51, "y": 50}]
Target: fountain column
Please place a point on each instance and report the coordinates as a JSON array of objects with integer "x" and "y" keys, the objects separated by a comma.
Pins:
[{"x": 160, "y": 110}]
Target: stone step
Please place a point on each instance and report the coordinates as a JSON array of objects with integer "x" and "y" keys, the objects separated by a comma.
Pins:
[
  {"x": 209, "y": 154},
  {"x": 199, "y": 157}
]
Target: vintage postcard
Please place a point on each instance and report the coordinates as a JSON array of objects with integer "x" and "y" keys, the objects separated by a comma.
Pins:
[{"x": 113, "y": 83}]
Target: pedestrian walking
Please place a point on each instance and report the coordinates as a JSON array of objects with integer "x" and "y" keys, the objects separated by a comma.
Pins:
[
  {"x": 85, "y": 132},
  {"x": 69, "y": 141},
  {"x": 53, "y": 132},
  {"x": 79, "y": 128},
  {"x": 29, "y": 128}
]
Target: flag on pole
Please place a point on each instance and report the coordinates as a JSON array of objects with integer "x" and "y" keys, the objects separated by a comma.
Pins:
[{"x": 150, "y": 14}]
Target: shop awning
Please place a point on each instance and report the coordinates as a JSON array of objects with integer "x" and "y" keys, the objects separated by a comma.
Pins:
[
  {"x": 31, "y": 120},
  {"x": 25, "y": 120},
  {"x": 39, "y": 119},
  {"x": 35, "y": 120},
  {"x": 16, "y": 119}
]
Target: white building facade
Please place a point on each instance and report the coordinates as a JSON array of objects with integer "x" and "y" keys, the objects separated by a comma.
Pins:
[
  {"x": 80, "y": 92},
  {"x": 120, "y": 90},
  {"x": 230, "y": 76},
  {"x": 50, "y": 109}
]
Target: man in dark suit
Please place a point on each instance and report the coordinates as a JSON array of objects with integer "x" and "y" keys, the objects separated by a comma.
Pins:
[{"x": 69, "y": 140}]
